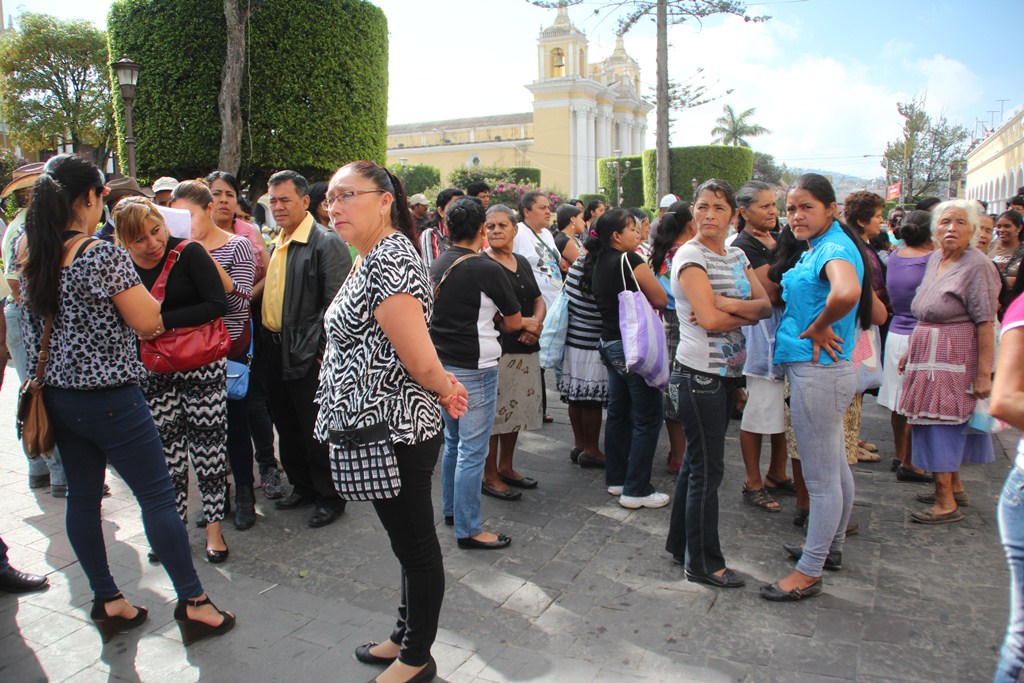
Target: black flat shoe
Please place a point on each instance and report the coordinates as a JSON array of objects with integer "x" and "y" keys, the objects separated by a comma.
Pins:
[
  {"x": 449, "y": 520},
  {"x": 364, "y": 655},
  {"x": 903, "y": 474},
  {"x": 193, "y": 630},
  {"x": 574, "y": 455},
  {"x": 729, "y": 579},
  {"x": 425, "y": 675},
  {"x": 585, "y": 461},
  {"x": 13, "y": 581},
  {"x": 833, "y": 561},
  {"x": 111, "y": 626},
  {"x": 293, "y": 501},
  {"x": 524, "y": 483},
  {"x": 507, "y": 494},
  {"x": 218, "y": 556},
  {"x": 775, "y": 594},
  {"x": 152, "y": 557},
  {"x": 471, "y": 543},
  {"x": 800, "y": 517},
  {"x": 322, "y": 516}
]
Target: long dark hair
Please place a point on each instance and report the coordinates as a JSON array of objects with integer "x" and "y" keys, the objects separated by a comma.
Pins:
[
  {"x": 786, "y": 253},
  {"x": 672, "y": 224},
  {"x": 599, "y": 240},
  {"x": 65, "y": 178},
  {"x": 821, "y": 189},
  {"x": 385, "y": 180}
]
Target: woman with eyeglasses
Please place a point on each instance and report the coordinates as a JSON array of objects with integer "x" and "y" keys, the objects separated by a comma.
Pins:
[{"x": 380, "y": 367}]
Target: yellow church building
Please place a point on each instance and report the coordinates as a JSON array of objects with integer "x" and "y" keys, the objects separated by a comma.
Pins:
[{"x": 582, "y": 111}]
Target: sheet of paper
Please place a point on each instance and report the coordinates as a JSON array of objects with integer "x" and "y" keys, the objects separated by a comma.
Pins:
[{"x": 179, "y": 222}]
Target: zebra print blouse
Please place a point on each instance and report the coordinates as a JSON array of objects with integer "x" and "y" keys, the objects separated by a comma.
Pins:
[{"x": 362, "y": 381}]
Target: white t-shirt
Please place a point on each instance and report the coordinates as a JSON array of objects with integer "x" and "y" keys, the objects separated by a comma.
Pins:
[
  {"x": 716, "y": 353},
  {"x": 540, "y": 251}
]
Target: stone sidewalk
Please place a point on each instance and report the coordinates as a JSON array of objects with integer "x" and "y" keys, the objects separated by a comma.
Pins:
[{"x": 585, "y": 593}]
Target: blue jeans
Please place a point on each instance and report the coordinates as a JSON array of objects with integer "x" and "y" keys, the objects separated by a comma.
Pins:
[
  {"x": 1011, "y": 531},
  {"x": 632, "y": 427},
  {"x": 115, "y": 426},
  {"x": 819, "y": 398},
  {"x": 16, "y": 345},
  {"x": 705, "y": 405},
  {"x": 465, "y": 449}
]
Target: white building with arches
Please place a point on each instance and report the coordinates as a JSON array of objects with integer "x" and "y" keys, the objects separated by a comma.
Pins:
[{"x": 995, "y": 168}]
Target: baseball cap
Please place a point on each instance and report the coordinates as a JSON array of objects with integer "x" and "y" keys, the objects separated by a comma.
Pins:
[
  {"x": 667, "y": 201},
  {"x": 419, "y": 199},
  {"x": 165, "y": 183}
]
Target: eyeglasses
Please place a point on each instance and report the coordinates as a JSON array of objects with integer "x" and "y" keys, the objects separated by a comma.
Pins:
[{"x": 345, "y": 197}]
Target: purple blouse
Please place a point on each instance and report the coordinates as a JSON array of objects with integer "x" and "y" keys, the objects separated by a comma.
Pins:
[{"x": 902, "y": 280}]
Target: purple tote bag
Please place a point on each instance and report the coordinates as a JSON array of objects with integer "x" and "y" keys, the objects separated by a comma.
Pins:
[{"x": 643, "y": 334}]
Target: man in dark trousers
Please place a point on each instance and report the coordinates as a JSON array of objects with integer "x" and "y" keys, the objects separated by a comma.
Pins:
[{"x": 307, "y": 266}]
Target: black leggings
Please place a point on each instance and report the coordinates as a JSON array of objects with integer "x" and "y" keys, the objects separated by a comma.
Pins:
[{"x": 409, "y": 520}]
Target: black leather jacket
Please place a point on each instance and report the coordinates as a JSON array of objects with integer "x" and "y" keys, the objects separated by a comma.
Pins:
[{"x": 313, "y": 275}]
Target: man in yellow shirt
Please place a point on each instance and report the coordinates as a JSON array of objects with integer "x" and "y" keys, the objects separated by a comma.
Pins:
[{"x": 307, "y": 266}]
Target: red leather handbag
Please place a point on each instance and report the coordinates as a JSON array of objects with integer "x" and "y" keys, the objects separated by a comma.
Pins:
[{"x": 183, "y": 348}]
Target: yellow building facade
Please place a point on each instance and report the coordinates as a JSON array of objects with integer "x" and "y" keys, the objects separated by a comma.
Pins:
[
  {"x": 582, "y": 111},
  {"x": 995, "y": 168}
]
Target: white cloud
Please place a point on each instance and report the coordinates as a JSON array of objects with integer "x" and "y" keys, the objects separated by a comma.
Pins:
[{"x": 951, "y": 88}]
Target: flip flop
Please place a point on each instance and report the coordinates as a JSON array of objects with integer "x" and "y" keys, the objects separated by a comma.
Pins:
[
  {"x": 929, "y": 517},
  {"x": 508, "y": 494},
  {"x": 524, "y": 483}
]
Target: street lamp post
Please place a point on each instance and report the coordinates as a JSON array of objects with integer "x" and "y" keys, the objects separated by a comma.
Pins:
[
  {"x": 127, "y": 76},
  {"x": 621, "y": 170}
]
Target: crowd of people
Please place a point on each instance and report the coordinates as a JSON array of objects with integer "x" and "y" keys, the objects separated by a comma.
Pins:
[{"x": 377, "y": 338}]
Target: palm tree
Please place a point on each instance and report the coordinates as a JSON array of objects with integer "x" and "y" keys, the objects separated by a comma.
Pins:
[{"x": 732, "y": 129}]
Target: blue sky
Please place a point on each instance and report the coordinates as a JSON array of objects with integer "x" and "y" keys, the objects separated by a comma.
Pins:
[{"x": 824, "y": 75}]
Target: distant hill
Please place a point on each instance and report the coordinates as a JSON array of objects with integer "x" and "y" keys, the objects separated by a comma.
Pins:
[{"x": 844, "y": 184}]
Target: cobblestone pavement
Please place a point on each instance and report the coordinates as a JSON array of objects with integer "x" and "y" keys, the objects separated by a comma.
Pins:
[{"x": 585, "y": 593}]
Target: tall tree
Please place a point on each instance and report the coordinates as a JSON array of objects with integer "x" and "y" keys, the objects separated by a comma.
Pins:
[
  {"x": 666, "y": 13},
  {"x": 229, "y": 102},
  {"x": 767, "y": 170},
  {"x": 734, "y": 129},
  {"x": 55, "y": 84},
  {"x": 930, "y": 154}
]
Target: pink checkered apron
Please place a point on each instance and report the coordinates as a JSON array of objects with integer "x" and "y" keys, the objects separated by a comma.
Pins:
[{"x": 941, "y": 365}]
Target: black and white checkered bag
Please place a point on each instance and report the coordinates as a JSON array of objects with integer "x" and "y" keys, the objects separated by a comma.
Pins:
[{"x": 363, "y": 463}]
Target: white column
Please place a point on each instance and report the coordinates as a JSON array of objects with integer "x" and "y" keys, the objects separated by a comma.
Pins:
[
  {"x": 638, "y": 136},
  {"x": 591, "y": 150},
  {"x": 602, "y": 134},
  {"x": 580, "y": 157}
]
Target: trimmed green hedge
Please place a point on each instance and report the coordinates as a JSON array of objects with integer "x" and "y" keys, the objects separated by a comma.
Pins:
[
  {"x": 735, "y": 165},
  {"x": 587, "y": 198},
  {"x": 492, "y": 175},
  {"x": 318, "y": 97},
  {"x": 417, "y": 177},
  {"x": 632, "y": 182}
]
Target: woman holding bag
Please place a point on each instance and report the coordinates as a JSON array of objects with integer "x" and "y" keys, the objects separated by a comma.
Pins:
[
  {"x": 380, "y": 368},
  {"x": 92, "y": 393},
  {"x": 634, "y": 408},
  {"x": 716, "y": 295},
  {"x": 189, "y": 407},
  {"x": 236, "y": 257}
]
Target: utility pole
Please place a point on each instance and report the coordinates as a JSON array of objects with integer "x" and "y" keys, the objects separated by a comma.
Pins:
[
  {"x": 992, "y": 118},
  {"x": 664, "y": 172}
]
